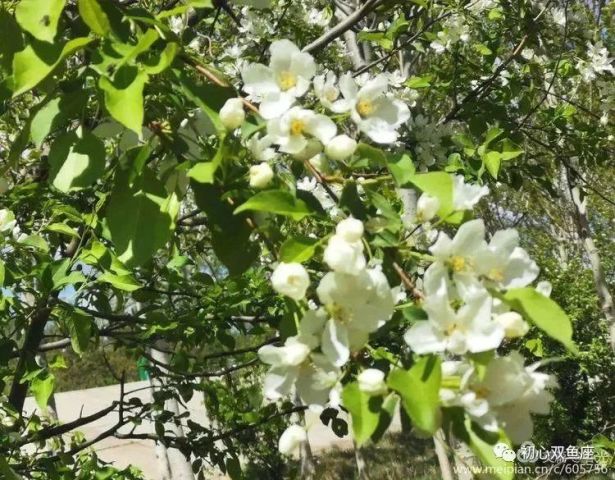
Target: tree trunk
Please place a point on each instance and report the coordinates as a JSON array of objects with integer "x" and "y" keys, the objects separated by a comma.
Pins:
[
  {"x": 439, "y": 441},
  {"x": 584, "y": 231},
  {"x": 178, "y": 466}
]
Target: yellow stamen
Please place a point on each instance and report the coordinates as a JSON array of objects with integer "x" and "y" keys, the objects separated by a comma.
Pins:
[
  {"x": 365, "y": 107},
  {"x": 480, "y": 391},
  {"x": 496, "y": 275},
  {"x": 287, "y": 80},
  {"x": 297, "y": 126},
  {"x": 458, "y": 263}
]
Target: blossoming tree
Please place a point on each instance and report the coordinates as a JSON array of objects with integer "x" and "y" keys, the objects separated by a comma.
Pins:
[{"x": 287, "y": 189}]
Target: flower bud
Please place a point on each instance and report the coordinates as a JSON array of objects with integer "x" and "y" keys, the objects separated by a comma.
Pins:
[
  {"x": 260, "y": 175},
  {"x": 7, "y": 220},
  {"x": 426, "y": 207},
  {"x": 290, "y": 279},
  {"x": 513, "y": 324},
  {"x": 371, "y": 381},
  {"x": 343, "y": 256},
  {"x": 291, "y": 439},
  {"x": 350, "y": 229},
  {"x": 341, "y": 147},
  {"x": 544, "y": 288},
  {"x": 313, "y": 148},
  {"x": 232, "y": 114}
]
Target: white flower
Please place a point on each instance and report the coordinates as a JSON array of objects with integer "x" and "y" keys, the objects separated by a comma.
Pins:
[
  {"x": 505, "y": 264},
  {"x": 260, "y": 147},
  {"x": 293, "y": 129},
  {"x": 344, "y": 252},
  {"x": 344, "y": 257},
  {"x": 505, "y": 396},
  {"x": 286, "y": 78},
  {"x": 371, "y": 381},
  {"x": 468, "y": 329},
  {"x": 544, "y": 287},
  {"x": 341, "y": 147},
  {"x": 357, "y": 305},
  {"x": 291, "y": 279},
  {"x": 466, "y": 195},
  {"x": 426, "y": 208},
  {"x": 296, "y": 365},
  {"x": 260, "y": 175},
  {"x": 598, "y": 62},
  {"x": 326, "y": 90},
  {"x": 454, "y": 31},
  {"x": 232, "y": 114},
  {"x": 376, "y": 113},
  {"x": 513, "y": 324},
  {"x": 7, "y": 221},
  {"x": 514, "y": 392},
  {"x": 320, "y": 17},
  {"x": 350, "y": 229},
  {"x": 460, "y": 255},
  {"x": 293, "y": 353},
  {"x": 527, "y": 53},
  {"x": 291, "y": 439}
]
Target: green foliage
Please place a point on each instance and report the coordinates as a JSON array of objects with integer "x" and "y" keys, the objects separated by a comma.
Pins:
[
  {"x": 543, "y": 312},
  {"x": 418, "y": 388}
]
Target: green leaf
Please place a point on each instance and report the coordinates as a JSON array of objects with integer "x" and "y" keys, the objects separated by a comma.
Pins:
[
  {"x": 278, "y": 202},
  {"x": 166, "y": 59},
  {"x": 492, "y": 134},
  {"x": 439, "y": 185},
  {"x": 230, "y": 233},
  {"x": 124, "y": 97},
  {"x": 80, "y": 328},
  {"x": 35, "y": 62},
  {"x": 137, "y": 219},
  {"x": 76, "y": 161},
  {"x": 542, "y": 312},
  {"x": 121, "y": 282},
  {"x": 401, "y": 167},
  {"x": 12, "y": 39},
  {"x": 364, "y": 410},
  {"x": 63, "y": 229},
  {"x": 419, "y": 389},
  {"x": 482, "y": 443},
  {"x": 7, "y": 472},
  {"x": 54, "y": 113},
  {"x": 492, "y": 162},
  {"x": 419, "y": 82},
  {"x": 209, "y": 98},
  {"x": 298, "y": 249},
  {"x": 2, "y": 272},
  {"x": 42, "y": 388},
  {"x": 40, "y": 17},
  {"x": 204, "y": 172},
  {"x": 387, "y": 413},
  {"x": 94, "y": 17},
  {"x": 375, "y": 156}
]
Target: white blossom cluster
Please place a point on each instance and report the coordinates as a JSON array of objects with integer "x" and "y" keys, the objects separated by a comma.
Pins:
[
  {"x": 505, "y": 396},
  {"x": 302, "y": 132},
  {"x": 462, "y": 315},
  {"x": 355, "y": 301}
]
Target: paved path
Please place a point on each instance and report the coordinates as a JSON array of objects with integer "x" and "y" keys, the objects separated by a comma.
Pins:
[{"x": 72, "y": 405}]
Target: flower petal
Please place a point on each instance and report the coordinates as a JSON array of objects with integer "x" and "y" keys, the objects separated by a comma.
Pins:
[{"x": 335, "y": 343}]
